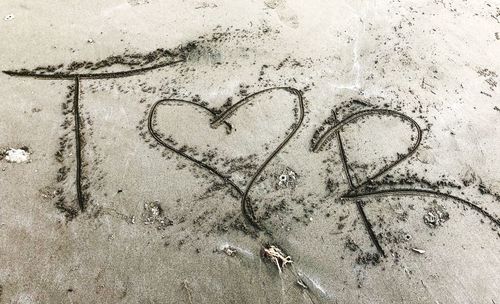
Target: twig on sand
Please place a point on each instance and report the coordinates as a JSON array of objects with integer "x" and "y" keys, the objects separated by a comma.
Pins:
[{"x": 277, "y": 257}]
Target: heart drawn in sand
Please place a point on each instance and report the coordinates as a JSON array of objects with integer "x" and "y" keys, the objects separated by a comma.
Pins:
[
  {"x": 335, "y": 131},
  {"x": 356, "y": 194},
  {"x": 215, "y": 122}
]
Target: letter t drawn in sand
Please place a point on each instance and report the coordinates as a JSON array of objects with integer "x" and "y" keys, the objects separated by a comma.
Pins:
[{"x": 76, "y": 78}]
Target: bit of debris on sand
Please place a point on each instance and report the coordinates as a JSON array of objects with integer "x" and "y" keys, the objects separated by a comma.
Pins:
[
  {"x": 153, "y": 214},
  {"x": 18, "y": 156},
  {"x": 230, "y": 251},
  {"x": 420, "y": 251},
  {"x": 48, "y": 192},
  {"x": 152, "y": 211},
  {"x": 436, "y": 216},
  {"x": 287, "y": 178},
  {"x": 277, "y": 257}
]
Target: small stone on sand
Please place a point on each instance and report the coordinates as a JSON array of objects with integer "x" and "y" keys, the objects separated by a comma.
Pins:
[{"x": 17, "y": 156}]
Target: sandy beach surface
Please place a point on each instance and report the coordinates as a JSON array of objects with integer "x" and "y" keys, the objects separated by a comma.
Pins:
[{"x": 264, "y": 151}]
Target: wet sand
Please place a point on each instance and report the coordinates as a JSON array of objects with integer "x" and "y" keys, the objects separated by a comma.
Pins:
[{"x": 249, "y": 152}]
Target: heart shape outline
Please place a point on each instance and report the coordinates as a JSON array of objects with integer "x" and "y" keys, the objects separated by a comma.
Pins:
[
  {"x": 397, "y": 192},
  {"x": 334, "y": 131},
  {"x": 246, "y": 207}
]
